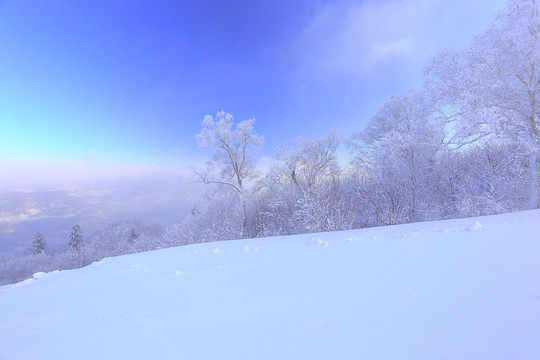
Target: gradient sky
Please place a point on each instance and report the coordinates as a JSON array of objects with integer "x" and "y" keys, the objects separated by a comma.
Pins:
[
  {"x": 130, "y": 81},
  {"x": 97, "y": 92}
]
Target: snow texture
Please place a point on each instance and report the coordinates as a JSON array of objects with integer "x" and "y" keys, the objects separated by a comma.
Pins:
[{"x": 419, "y": 291}]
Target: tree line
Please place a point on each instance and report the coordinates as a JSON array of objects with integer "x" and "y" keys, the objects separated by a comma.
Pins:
[
  {"x": 119, "y": 238},
  {"x": 465, "y": 144}
]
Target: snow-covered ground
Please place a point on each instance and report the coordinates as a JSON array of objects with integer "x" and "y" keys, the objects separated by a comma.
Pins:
[{"x": 459, "y": 289}]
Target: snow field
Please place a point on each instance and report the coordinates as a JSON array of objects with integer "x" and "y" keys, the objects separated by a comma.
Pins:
[{"x": 458, "y": 289}]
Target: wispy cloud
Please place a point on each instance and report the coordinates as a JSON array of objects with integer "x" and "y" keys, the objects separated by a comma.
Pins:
[{"x": 359, "y": 38}]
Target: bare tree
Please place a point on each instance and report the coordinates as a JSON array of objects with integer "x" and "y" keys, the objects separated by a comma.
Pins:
[{"x": 232, "y": 163}]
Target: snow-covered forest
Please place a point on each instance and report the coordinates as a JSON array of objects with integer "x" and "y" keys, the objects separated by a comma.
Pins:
[{"x": 465, "y": 144}]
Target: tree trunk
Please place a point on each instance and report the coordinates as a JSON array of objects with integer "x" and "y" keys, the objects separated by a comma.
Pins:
[
  {"x": 244, "y": 216},
  {"x": 533, "y": 181}
]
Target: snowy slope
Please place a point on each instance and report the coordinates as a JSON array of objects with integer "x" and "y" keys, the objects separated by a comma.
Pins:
[{"x": 460, "y": 289}]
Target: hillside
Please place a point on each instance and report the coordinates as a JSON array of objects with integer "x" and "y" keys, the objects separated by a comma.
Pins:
[{"x": 458, "y": 289}]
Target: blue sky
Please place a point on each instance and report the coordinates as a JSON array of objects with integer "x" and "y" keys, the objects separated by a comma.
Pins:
[
  {"x": 97, "y": 93},
  {"x": 129, "y": 82}
]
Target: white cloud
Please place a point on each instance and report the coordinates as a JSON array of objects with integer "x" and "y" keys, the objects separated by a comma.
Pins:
[{"x": 358, "y": 38}]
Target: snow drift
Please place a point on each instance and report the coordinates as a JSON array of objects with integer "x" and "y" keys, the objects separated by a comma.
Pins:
[{"x": 458, "y": 289}]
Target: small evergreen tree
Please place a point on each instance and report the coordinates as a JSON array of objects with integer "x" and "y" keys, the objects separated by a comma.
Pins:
[
  {"x": 39, "y": 245},
  {"x": 133, "y": 237},
  {"x": 75, "y": 239}
]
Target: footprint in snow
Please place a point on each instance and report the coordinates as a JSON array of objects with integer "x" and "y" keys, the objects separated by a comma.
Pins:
[{"x": 319, "y": 242}]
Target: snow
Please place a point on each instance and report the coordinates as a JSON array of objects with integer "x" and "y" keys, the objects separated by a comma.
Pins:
[
  {"x": 476, "y": 227},
  {"x": 420, "y": 291}
]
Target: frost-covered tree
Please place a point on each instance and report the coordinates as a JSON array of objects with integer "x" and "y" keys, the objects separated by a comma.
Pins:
[
  {"x": 215, "y": 218},
  {"x": 309, "y": 160},
  {"x": 75, "y": 242},
  {"x": 39, "y": 244},
  {"x": 16, "y": 266},
  {"x": 274, "y": 203},
  {"x": 123, "y": 237},
  {"x": 304, "y": 190},
  {"x": 487, "y": 178},
  {"x": 491, "y": 88},
  {"x": 327, "y": 206},
  {"x": 396, "y": 156},
  {"x": 232, "y": 163}
]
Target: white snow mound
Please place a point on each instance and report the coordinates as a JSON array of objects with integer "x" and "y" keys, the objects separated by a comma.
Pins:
[{"x": 476, "y": 227}]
